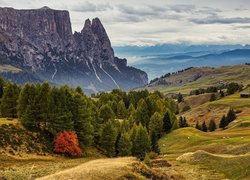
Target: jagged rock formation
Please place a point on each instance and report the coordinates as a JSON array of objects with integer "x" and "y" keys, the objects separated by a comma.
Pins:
[{"x": 41, "y": 42}]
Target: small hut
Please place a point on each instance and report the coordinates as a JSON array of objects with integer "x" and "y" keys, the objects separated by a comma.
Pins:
[{"x": 245, "y": 95}]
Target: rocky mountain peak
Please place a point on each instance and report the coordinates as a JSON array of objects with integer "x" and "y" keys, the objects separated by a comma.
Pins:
[{"x": 41, "y": 41}]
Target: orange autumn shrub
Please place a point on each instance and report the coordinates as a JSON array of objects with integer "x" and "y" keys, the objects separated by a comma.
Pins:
[{"x": 66, "y": 142}]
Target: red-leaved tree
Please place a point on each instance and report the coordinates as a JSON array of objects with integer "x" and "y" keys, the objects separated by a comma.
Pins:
[{"x": 67, "y": 142}]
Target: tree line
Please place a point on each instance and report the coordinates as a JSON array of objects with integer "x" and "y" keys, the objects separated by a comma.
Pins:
[{"x": 119, "y": 123}]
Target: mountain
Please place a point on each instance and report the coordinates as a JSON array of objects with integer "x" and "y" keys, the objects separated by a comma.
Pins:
[
  {"x": 158, "y": 64},
  {"x": 40, "y": 42}
]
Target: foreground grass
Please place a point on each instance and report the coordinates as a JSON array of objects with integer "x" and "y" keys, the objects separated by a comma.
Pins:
[
  {"x": 35, "y": 166},
  {"x": 234, "y": 167}
]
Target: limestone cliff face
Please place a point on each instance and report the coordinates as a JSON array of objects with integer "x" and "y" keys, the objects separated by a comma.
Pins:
[{"x": 41, "y": 41}]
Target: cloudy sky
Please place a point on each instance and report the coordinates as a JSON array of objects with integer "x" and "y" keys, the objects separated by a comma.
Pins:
[{"x": 147, "y": 22}]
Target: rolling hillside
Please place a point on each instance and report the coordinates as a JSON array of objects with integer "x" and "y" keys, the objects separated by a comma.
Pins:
[{"x": 200, "y": 77}]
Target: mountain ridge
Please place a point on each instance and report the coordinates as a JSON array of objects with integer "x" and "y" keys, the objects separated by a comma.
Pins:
[{"x": 41, "y": 41}]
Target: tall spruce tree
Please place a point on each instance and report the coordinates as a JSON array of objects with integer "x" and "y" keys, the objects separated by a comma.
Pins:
[
  {"x": 106, "y": 113},
  {"x": 2, "y": 84},
  {"x": 108, "y": 138},
  {"x": 231, "y": 115},
  {"x": 154, "y": 143},
  {"x": 167, "y": 124},
  {"x": 131, "y": 110},
  {"x": 82, "y": 120},
  {"x": 197, "y": 126},
  {"x": 125, "y": 145},
  {"x": 142, "y": 113},
  {"x": 142, "y": 143},
  {"x": 9, "y": 101},
  {"x": 60, "y": 118},
  {"x": 121, "y": 110},
  {"x": 156, "y": 124},
  {"x": 204, "y": 126},
  {"x": 223, "y": 122},
  {"x": 212, "y": 125}
]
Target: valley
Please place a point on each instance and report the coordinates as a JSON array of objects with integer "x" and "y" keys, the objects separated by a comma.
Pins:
[{"x": 175, "y": 106}]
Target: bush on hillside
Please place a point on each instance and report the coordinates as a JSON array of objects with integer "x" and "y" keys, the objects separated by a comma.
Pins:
[{"x": 66, "y": 142}]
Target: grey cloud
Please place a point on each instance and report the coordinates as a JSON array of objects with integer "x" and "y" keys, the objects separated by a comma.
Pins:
[
  {"x": 208, "y": 10},
  {"x": 220, "y": 20},
  {"x": 183, "y": 8},
  {"x": 91, "y": 7},
  {"x": 147, "y": 12}
]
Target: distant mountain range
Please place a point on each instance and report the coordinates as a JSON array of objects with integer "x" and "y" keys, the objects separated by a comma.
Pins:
[
  {"x": 40, "y": 43},
  {"x": 161, "y": 59}
]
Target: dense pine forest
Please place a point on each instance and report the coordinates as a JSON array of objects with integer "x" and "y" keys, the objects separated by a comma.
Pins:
[{"x": 118, "y": 123}]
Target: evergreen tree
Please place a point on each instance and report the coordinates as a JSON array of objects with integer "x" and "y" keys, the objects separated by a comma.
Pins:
[
  {"x": 204, "y": 126},
  {"x": 79, "y": 90},
  {"x": 197, "y": 126},
  {"x": 231, "y": 115},
  {"x": 121, "y": 110},
  {"x": 27, "y": 119},
  {"x": 212, "y": 125},
  {"x": 156, "y": 124},
  {"x": 213, "y": 97},
  {"x": 167, "y": 124},
  {"x": 131, "y": 110},
  {"x": 106, "y": 113},
  {"x": 108, "y": 138},
  {"x": 2, "y": 84},
  {"x": 142, "y": 113},
  {"x": 132, "y": 137},
  {"x": 42, "y": 105},
  {"x": 82, "y": 120},
  {"x": 180, "y": 98},
  {"x": 9, "y": 101},
  {"x": 154, "y": 143},
  {"x": 125, "y": 145},
  {"x": 60, "y": 117},
  {"x": 142, "y": 143},
  {"x": 182, "y": 122},
  {"x": 223, "y": 122}
]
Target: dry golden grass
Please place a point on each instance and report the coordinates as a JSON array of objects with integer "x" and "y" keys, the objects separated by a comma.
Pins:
[{"x": 97, "y": 169}]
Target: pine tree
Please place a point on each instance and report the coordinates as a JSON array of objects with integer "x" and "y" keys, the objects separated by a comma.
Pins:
[
  {"x": 41, "y": 104},
  {"x": 204, "y": 127},
  {"x": 132, "y": 137},
  {"x": 182, "y": 122},
  {"x": 60, "y": 118},
  {"x": 223, "y": 122},
  {"x": 108, "y": 138},
  {"x": 121, "y": 110},
  {"x": 125, "y": 145},
  {"x": 154, "y": 143},
  {"x": 167, "y": 124},
  {"x": 213, "y": 97},
  {"x": 79, "y": 90},
  {"x": 131, "y": 110},
  {"x": 106, "y": 113},
  {"x": 82, "y": 120},
  {"x": 212, "y": 125},
  {"x": 197, "y": 126},
  {"x": 9, "y": 101},
  {"x": 142, "y": 113},
  {"x": 156, "y": 124},
  {"x": 180, "y": 98},
  {"x": 2, "y": 84},
  {"x": 142, "y": 143},
  {"x": 231, "y": 115}
]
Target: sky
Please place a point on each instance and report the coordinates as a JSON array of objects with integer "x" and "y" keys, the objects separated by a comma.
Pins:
[{"x": 150, "y": 22}]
